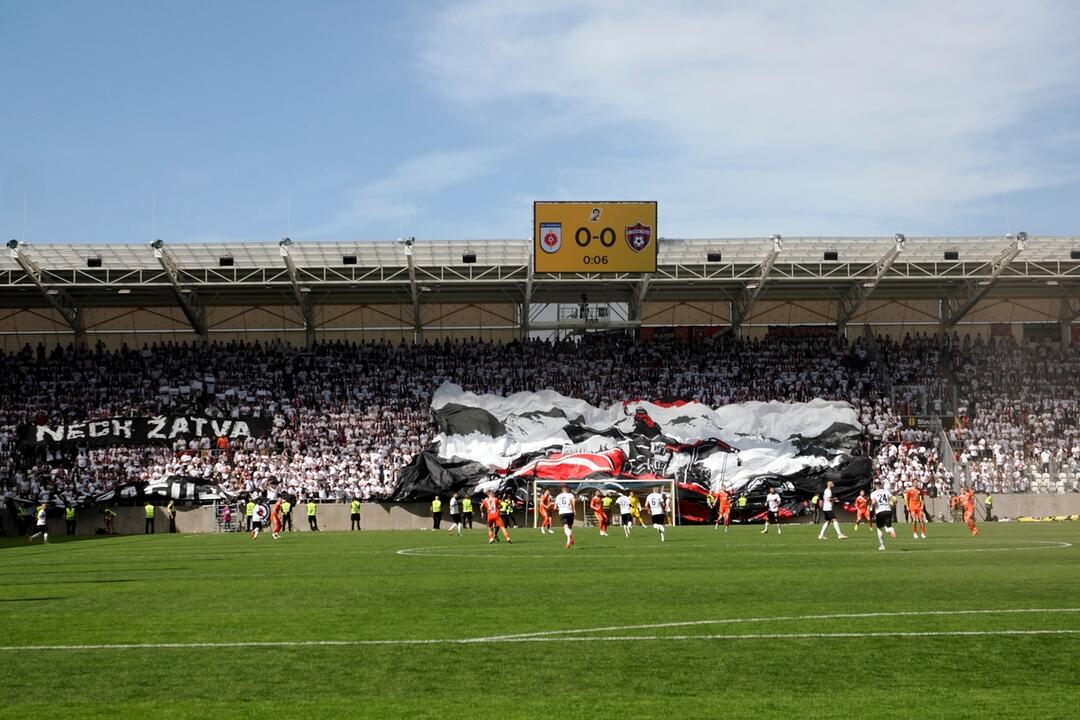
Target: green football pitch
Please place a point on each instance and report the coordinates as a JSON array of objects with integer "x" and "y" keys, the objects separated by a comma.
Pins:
[{"x": 420, "y": 624}]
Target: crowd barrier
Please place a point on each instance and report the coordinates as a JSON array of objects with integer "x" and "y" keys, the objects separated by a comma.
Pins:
[{"x": 332, "y": 517}]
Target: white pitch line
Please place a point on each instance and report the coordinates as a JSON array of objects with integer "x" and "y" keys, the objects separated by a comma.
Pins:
[
  {"x": 486, "y": 641},
  {"x": 444, "y": 552},
  {"x": 579, "y": 635},
  {"x": 796, "y": 636},
  {"x": 781, "y": 618}
]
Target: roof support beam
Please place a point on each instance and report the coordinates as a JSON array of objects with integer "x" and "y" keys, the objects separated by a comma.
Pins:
[
  {"x": 418, "y": 326},
  {"x": 863, "y": 289},
  {"x": 1068, "y": 313},
  {"x": 637, "y": 302},
  {"x": 960, "y": 303},
  {"x": 741, "y": 306},
  {"x": 1070, "y": 309},
  {"x": 60, "y": 301},
  {"x": 186, "y": 298},
  {"x": 526, "y": 304},
  {"x": 302, "y": 295}
]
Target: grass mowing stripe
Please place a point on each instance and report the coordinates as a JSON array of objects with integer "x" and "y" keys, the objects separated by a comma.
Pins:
[
  {"x": 835, "y": 616},
  {"x": 530, "y": 639},
  {"x": 782, "y": 627},
  {"x": 572, "y": 634}
]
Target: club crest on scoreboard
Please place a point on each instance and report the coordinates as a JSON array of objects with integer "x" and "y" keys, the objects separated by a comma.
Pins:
[
  {"x": 638, "y": 236},
  {"x": 550, "y": 237}
]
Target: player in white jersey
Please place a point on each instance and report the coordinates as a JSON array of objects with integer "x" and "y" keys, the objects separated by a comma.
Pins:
[
  {"x": 624, "y": 513},
  {"x": 455, "y": 514},
  {"x": 772, "y": 511},
  {"x": 658, "y": 510},
  {"x": 881, "y": 499},
  {"x": 258, "y": 518},
  {"x": 564, "y": 505},
  {"x": 42, "y": 529},
  {"x": 830, "y": 514}
]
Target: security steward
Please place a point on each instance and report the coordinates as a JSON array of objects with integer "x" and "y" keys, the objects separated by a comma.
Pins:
[
  {"x": 506, "y": 509},
  {"x": 466, "y": 512},
  {"x": 436, "y": 512},
  {"x": 286, "y": 514},
  {"x": 149, "y": 509},
  {"x": 354, "y": 514},
  {"x": 110, "y": 521}
]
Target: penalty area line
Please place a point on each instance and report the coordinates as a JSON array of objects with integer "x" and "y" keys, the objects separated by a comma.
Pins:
[
  {"x": 463, "y": 552},
  {"x": 780, "y": 618},
  {"x": 583, "y": 634},
  {"x": 543, "y": 639}
]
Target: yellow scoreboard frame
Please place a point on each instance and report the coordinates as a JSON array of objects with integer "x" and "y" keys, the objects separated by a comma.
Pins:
[{"x": 594, "y": 237}]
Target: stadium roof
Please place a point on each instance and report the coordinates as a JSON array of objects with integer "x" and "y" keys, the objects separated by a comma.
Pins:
[{"x": 133, "y": 275}]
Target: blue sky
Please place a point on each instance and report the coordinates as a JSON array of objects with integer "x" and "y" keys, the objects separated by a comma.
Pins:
[{"x": 245, "y": 121}]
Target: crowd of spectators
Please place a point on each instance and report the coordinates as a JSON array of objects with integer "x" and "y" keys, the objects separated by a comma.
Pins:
[
  {"x": 902, "y": 464},
  {"x": 915, "y": 373},
  {"x": 1019, "y": 414},
  {"x": 347, "y": 417}
]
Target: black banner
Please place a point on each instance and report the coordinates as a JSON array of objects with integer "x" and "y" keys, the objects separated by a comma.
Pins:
[{"x": 156, "y": 430}]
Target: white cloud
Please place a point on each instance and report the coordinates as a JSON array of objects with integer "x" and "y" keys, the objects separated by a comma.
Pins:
[
  {"x": 400, "y": 196},
  {"x": 851, "y": 116}
]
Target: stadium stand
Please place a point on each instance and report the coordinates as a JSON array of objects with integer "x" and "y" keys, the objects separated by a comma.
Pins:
[
  {"x": 172, "y": 329},
  {"x": 347, "y": 417},
  {"x": 1020, "y": 430}
]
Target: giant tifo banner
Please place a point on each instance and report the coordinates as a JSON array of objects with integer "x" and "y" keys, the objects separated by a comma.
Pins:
[
  {"x": 487, "y": 441},
  {"x": 143, "y": 430}
]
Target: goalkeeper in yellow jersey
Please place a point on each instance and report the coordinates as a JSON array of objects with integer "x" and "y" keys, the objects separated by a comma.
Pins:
[{"x": 635, "y": 509}]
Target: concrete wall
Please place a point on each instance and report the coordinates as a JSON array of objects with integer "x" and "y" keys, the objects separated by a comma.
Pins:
[
  {"x": 331, "y": 517},
  {"x": 1005, "y": 506},
  {"x": 417, "y": 516}
]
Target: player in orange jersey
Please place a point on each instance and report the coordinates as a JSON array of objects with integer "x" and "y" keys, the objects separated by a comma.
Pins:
[
  {"x": 275, "y": 519},
  {"x": 596, "y": 504},
  {"x": 490, "y": 508},
  {"x": 723, "y": 508},
  {"x": 862, "y": 509},
  {"x": 913, "y": 498},
  {"x": 967, "y": 501},
  {"x": 544, "y": 507}
]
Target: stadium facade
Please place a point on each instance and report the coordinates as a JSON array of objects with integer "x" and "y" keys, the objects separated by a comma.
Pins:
[{"x": 301, "y": 292}]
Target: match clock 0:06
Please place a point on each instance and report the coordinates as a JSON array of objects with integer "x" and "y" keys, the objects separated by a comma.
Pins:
[
  {"x": 583, "y": 237},
  {"x": 593, "y": 236}
]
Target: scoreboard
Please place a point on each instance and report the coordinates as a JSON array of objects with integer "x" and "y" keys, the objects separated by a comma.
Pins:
[{"x": 594, "y": 237}]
